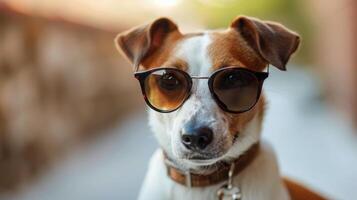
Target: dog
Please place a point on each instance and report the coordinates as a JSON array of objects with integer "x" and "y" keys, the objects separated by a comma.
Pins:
[{"x": 209, "y": 138}]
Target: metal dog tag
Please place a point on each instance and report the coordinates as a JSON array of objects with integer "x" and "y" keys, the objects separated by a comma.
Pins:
[{"x": 228, "y": 191}]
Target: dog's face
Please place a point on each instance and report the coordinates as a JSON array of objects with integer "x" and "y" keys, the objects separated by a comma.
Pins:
[{"x": 248, "y": 43}]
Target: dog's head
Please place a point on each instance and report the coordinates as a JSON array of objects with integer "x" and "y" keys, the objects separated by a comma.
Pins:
[{"x": 248, "y": 43}]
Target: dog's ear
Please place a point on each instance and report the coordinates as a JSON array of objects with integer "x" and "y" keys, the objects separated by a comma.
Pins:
[
  {"x": 139, "y": 42},
  {"x": 272, "y": 41}
]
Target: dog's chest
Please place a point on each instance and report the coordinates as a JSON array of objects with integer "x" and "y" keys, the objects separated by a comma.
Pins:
[
  {"x": 218, "y": 192},
  {"x": 179, "y": 193}
]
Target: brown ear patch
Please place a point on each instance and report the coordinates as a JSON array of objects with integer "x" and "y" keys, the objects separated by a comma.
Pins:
[
  {"x": 141, "y": 42},
  {"x": 163, "y": 56},
  {"x": 228, "y": 48},
  {"x": 272, "y": 41}
]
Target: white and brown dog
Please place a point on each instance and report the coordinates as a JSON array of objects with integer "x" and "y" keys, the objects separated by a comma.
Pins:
[{"x": 207, "y": 152}]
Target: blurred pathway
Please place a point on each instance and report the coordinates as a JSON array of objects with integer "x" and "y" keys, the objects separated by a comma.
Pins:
[{"x": 314, "y": 145}]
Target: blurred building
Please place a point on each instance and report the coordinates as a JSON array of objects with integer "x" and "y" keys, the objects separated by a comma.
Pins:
[
  {"x": 60, "y": 83},
  {"x": 335, "y": 48}
]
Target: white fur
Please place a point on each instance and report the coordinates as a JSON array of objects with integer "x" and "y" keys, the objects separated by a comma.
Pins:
[
  {"x": 200, "y": 106},
  {"x": 261, "y": 180}
]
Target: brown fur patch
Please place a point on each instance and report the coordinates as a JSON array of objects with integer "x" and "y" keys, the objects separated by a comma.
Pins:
[
  {"x": 164, "y": 53},
  {"x": 164, "y": 56},
  {"x": 230, "y": 49},
  {"x": 239, "y": 121},
  {"x": 299, "y": 192}
]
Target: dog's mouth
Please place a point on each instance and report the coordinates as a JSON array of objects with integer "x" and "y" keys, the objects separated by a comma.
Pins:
[
  {"x": 203, "y": 162},
  {"x": 199, "y": 157},
  {"x": 207, "y": 159}
]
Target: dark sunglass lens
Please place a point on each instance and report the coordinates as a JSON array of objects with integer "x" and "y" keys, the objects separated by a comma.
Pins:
[
  {"x": 237, "y": 89},
  {"x": 166, "y": 89}
]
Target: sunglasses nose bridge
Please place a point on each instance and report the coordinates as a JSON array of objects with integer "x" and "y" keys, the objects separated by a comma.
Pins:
[
  {"x": 197, "y": 80},
  {"x": 201, "y": 87},
  {"x": 200, "y": 77}
]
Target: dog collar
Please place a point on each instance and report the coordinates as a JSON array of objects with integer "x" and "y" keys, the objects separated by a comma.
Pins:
[{"x": 190, "y": 179}]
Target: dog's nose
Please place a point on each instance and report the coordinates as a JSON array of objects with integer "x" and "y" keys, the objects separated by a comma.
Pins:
[{"x": 197, "y": 139}]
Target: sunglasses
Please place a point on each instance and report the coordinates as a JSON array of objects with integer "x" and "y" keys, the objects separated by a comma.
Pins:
[{"x": 235, "y": 89}]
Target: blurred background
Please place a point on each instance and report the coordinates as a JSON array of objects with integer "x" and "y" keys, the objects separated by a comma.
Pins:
[{"x": 73, "y": 123}]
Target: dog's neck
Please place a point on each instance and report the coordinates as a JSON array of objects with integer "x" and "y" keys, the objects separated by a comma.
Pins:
[
  {"x": 258, "y": 181},
  {"x": 197, "y": 179}
]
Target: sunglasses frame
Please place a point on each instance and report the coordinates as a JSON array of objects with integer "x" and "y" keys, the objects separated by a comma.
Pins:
[{"x": 260, "y": 76}]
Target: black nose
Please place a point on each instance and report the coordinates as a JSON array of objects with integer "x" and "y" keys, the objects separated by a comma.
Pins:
[{"x": 197, "y": 139}]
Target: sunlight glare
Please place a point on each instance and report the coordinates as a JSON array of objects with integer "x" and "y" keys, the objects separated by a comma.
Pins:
[{"x": 166, "y": 3}]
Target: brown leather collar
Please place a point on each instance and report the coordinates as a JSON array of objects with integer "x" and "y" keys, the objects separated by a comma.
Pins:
[{"x": 197, "y": 180}]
